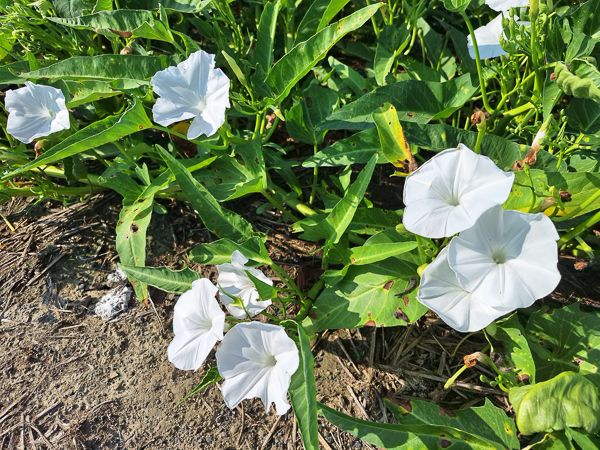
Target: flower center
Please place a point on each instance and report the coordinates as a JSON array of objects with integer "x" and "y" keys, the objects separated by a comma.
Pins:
[
  {"x": 50, "y": 113},
  {"x": 270, "y": 361},
  {"x": 499, "y": 256},
  {"x": 201, "y": 104}
]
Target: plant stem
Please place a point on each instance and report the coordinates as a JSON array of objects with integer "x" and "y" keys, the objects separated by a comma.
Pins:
[
  {"x": 279, "y": 206},
  {"x": 478, "y": 63},
  {"x": 315, "y": 179},
  {"x": 194, "y": 141},
  {"x": 579, "y": 229}
]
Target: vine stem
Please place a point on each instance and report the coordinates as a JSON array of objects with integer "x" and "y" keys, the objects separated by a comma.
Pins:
[
  {"x": 194, "y": 141},
  {"x": 579, "y": 229},
  {"x": 478, "y": 63},
  {"x": 313, "y": 190}
]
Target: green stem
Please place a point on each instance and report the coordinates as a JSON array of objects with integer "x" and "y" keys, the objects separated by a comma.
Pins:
[
  {"x": 480, "y": 134},
  {"x": 315, "y": 179},
  {"x": 59, "y": 191},
  {"x": 519, "y": 110},
  {"x": 271, "y": 130},
  {"x": 477, "y": 62},
  {"x": 279, "y": 206},
  {"x": 194, "y": 141},
  {"x": 579, "y": 229}
]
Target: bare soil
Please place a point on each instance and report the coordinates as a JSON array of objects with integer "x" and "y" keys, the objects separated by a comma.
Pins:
[{"x": 71, "y": 380}]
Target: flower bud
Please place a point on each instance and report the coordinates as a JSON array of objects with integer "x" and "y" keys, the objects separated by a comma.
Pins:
[{"x": 126, "y": 51}]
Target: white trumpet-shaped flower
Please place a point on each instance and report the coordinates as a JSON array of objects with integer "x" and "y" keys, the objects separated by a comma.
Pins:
[
  {"x": 508, "y": 258},
  {"x": 448, "y": 193},
  {"x": 35, "y": 111},
  {"x": 192, "y": 89},
  {"x": 257, "y": 360},
  {"x": 462, "y": 310},
  {"x": 233, "y": 280},
  {"x": 488, "y": 39},
  {"x": 198, "y": 324},
  {"x": 505, "y": 5}
]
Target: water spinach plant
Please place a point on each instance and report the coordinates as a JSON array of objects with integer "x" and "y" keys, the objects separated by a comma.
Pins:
[{"x": 487, "y": 112}]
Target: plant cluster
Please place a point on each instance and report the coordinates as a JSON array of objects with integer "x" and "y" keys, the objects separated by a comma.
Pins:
[{"x": 491, "y": 131}]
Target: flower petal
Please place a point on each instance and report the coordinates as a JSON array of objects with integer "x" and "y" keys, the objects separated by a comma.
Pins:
[
  {"x": 257, "y": 360},
  {"x": 35, "y": 111},
  {"x": 505, "y": 5},
  {"x": 509, "y": 258},
  {"x": 188, "y": 350},
  {"x": 449, "y": 192},
  {"x": 196, "y": 70},
  {"x": 234, "y": 280},
  {"x": 441, "y": 292},
  {"x": 488, "y": 39},
  {"x": 201, "y": 125},
  {"x": 198, "y": 324}
]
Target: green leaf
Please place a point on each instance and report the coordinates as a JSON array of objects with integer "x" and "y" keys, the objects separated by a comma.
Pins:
[
  {"x": 220, "y": 221},
  {"x": 227, "y": 179},
  {"x": 565, "y": 339},
  {"x": 553, "y": 441},
  {"x": 173, "y": 5},
  {"x": 356, "y": 149},
  {"x": 72, "y": 8},
  {"x": 252, "y": 154},
  {"x": 318, "y": 16},
  {"x": 391, "y": 42},
  {"x": 584, "y": 115},
  {"x": 529, "y": 191},
  {"x": 265, "y": 35},
  {"x": 302, "y": 119},
  {"x": 392, "y": 139},
  {"x": 131, "y": 236},
  {"x": 334, "y": 225},
  {"x": 362, "y": 145},
  {"x": 581, "y": 46},
  {"x": 220, "y": 251},
  {"x": 142, "y": 24},
  {"x": 367, "y": 254},
  {"x": 415, "y": 101},
  {"x": 10, "y": 73},
  {"x": 236, "y": 68},
  {"x": 212, "y": 376},
  {"x": 117, "y": 69},
  {"x": 456, "y": 5},
  {"x": 406, "y": 437},
  {"x": 265, "y": 291},
  {"x": 584, "y": 440},
  {"x": 163, "y": 278},
  {"x": 112, "y": 128},
  {"x": 513, "y": 336},
  {"x": 304, "y": 56},
  {"x": 350, "y": 77},
  {"x": 303, "y": 392},
  {"x": 123, "y": 184},
  {"x": 567, "y": 400},
  {"x": 486, "y": 421},
  {"x": 367, "y": 297},
  {"x": 586, "y": 19},
  {"x": 81, "y": 92}
]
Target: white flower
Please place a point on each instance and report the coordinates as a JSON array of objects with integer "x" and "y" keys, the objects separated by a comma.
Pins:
[
  {"x": 462, "y": 310},
  {"x": 488, "y": 40},
  {"x": 234, "y": 280},
  {"x": 257, "y": 360},
  {"x": 35, "y": 111},
  {"x": 448, "y": 193},
  {"x": 198, "y": 324},
  {"x": 488, "y": 37},
  {"x": 193, "y": 89},
  {"x": 505, "y": 5},
  {"x": 509, "y": 258}
]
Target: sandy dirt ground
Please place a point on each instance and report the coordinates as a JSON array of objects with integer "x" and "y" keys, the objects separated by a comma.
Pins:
[{"x": 71, "y": 380}]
